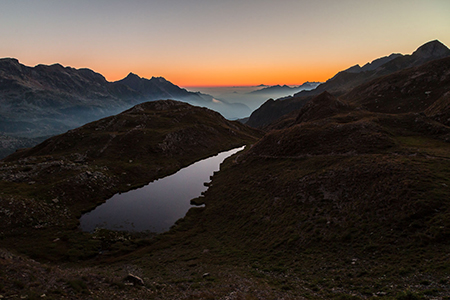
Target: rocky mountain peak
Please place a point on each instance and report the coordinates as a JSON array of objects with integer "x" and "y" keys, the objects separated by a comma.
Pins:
[
  {"x": 131, "y": 78},
  {"x": 159, "y": 79},
  {"x": 133, "y": 81},
  {"x": 375, "y": 64},
  {"x": 354, "y": 69},
  {"x": 51, "y": 68},
  {"x": 131, "y": 75},
  {"x": 9, "y": 60},
  {"x": 433, "y": 49},
  {"x": 10, "y": 65}
]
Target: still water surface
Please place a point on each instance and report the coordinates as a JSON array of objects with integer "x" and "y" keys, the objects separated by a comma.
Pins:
[{"x": 156, "y": 206}]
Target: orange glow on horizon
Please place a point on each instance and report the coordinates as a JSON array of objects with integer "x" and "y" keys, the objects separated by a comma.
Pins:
[
  {"x": 219, "y": 43},
  {"x": 215, "y": 76},
  {"x": 202, "y": 78}
]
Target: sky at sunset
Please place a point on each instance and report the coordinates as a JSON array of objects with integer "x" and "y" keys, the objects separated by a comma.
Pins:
[{"x": 212, "y": 42}]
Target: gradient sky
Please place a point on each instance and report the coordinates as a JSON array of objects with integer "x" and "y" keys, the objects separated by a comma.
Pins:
[{"x": 218, "y": 42}]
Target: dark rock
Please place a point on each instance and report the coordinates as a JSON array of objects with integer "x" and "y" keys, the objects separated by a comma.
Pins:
[
  {"x": 135, "y": 280},
  {"x": 198, "y": 201}
]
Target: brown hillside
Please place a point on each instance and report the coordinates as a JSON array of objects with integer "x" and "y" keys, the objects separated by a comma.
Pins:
[
  {"x": 322, "y": 106},
  {"x": 440, "y": 109},
  {"x": 75, "y": 171},
  {"x": 317, "y": 138},
  {"x": 410, "y": 90}
]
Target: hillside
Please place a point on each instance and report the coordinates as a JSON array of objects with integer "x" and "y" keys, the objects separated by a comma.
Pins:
[
  {"x": 87, "y": 165},
  {"x": 410, "y": 90},
  {"x": 344, "y": 81},
  {"x": 9, "y": 144},
  {"x": 344, "y": 200}
]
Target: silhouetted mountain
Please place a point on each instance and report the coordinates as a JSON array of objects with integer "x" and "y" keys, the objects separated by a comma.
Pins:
[
  {"x": 285, "y": 89},
  {"x": 422, "y": 89},
  {"x": 158, "y": 88},
  {"x": 350, "y": 78},
  {"x": 429, "y": 51},
  {"x": 346, "y": 80},
  {"x": 273, "y": 88},
  {"x": 373, "y": 65},
  {"x": 47, "y": 100},
  {"x": 272, "y": 110}
]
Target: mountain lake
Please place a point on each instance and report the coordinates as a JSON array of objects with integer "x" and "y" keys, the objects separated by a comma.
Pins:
[{"x": 158, "y": 205}]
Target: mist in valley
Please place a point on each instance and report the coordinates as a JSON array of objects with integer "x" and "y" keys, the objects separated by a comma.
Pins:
[{"x": 251, "y": 96}]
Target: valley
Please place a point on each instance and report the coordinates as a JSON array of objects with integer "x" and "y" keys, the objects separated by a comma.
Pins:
[{"x": 340, "y": 193}]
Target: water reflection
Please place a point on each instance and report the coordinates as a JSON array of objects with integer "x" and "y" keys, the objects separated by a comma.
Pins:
[{"x": 156, "y": 206}]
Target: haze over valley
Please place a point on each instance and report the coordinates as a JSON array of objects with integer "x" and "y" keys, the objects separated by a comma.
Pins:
[{"x": 253, "y": 96}]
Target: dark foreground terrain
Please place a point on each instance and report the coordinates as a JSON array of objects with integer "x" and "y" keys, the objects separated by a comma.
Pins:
[{"x": 347, "y": 198}]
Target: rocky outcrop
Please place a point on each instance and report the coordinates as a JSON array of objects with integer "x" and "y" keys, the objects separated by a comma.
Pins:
[{"x": 134, "y": 280}]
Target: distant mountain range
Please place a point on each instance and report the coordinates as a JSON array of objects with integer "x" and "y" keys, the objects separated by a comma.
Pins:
[
  {"x": 285, "y": 89},
  {"x": 47, "y": 100},
  {"x": 348, "y": 79}
]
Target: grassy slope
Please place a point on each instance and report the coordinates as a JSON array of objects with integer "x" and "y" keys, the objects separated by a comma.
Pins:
[
  {"x": 329, "y": 223},
  {"x": 309, "y": 222}
]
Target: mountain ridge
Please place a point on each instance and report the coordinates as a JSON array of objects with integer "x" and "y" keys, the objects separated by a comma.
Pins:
[
  {"x": 344, "y": 81},
  {"x": 54, "y": 98}
]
